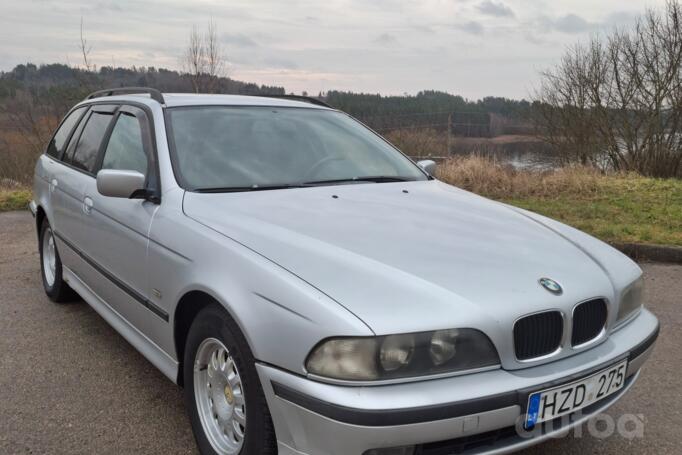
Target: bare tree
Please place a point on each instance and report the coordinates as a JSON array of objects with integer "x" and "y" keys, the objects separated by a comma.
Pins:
[
  {"x": 83, "y": 72},
  {"x": 204, "y": 60},
  {"x": 617, "y": 101},
  {"x": 564, "y": 111},
  {"x": 215, "y": 59},
  {"x": 85, "y": 49},
  {"x": 194, "y": 59}
]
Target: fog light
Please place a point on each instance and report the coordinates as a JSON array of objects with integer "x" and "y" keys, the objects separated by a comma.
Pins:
[{"x": 404, "y": 450}]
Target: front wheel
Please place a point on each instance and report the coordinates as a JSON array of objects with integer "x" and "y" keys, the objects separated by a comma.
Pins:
[{"x": 223, "y": 394}]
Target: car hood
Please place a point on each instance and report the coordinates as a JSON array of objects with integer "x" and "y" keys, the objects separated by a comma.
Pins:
[{"x": 405, "y": 257}]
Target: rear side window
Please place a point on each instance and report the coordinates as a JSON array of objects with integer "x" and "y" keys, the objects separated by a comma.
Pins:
[
  {"x": 125, "y": 150},
  {"x": 60, "y": 140},
  {"x": 85, "y": 155}
]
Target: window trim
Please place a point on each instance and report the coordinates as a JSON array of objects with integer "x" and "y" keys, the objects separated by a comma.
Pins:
[
  {"x": 71, "y": 133},
  {"x": 105, "y": 141},
  {"x": 74, "y": 142},
  {"x": 156, "y": 196},
  {"x": 145, "y": 133},
  {"x": 92, "y": 111}
]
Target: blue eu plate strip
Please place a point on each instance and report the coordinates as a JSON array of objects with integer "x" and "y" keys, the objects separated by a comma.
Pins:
[{"x": 533, "y": 408}]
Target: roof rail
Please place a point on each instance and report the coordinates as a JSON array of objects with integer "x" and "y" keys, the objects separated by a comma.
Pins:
[
  {"x": 152, "y": 92},
  {"x": 305, "y": 99}
]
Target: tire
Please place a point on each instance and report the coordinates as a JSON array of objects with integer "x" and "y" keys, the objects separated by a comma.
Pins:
[
  {"x": 215, "y": 340},
  {"x": 51, "y": 267}
]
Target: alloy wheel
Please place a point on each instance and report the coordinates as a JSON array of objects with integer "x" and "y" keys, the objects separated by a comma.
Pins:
[{"x": 219, "y": 395}]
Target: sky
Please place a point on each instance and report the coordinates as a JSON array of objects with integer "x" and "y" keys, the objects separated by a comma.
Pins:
[{"x": 473, "y": 48}]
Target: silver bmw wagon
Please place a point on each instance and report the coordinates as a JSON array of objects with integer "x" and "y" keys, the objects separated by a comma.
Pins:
[{"x": 314, "y": 291}]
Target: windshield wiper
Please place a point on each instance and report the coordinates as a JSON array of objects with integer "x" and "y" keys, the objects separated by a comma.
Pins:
[
  {"x": 367, "y": 178},
  {"x": 236, "y": 189}
]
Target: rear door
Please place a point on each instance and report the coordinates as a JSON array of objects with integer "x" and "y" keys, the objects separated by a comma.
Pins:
[
  {"x": 68, "y": 180},
  {"x": 49, "y": 165},
  {"x": 116, "y": 230}
]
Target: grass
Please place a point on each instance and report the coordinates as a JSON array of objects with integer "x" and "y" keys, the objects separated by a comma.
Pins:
[
  {"x": 14, "y": 198},
  {"x": 626, "y": 208}
]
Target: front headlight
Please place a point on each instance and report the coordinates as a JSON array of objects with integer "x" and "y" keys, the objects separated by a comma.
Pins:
[
  {"x": 402, "y": 356},
  {"x": 631, "y": 300}
]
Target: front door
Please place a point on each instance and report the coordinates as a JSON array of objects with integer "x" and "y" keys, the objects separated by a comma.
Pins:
[{"x": 117, "y": 229}]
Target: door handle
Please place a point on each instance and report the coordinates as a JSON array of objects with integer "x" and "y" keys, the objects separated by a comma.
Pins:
[
  {"x": 87, "y": 205},
  {"x": 53, "y": 185}
]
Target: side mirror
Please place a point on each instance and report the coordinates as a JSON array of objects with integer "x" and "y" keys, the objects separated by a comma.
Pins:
[
  {"x": 429, "y": 166},
  {"x": 124, "y": 184}
]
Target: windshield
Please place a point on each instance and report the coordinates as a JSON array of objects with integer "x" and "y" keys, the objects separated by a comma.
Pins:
[{"x": 222, "y": 148}]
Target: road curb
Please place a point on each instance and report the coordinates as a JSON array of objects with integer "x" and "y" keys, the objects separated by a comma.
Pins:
[{"x": 646, "y": 252}]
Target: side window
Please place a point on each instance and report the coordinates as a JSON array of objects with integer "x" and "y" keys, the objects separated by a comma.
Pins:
[
  {"x": 85, "y": 155},
  {"x": 125, "y": 150},
  {"x": 58, "y": 143}
]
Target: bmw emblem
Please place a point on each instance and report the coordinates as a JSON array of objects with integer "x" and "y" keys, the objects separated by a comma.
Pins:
[{"x": 551, "y": 285}]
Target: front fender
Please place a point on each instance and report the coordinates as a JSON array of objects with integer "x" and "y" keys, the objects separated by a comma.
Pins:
[{"x": 282, "y": 316}]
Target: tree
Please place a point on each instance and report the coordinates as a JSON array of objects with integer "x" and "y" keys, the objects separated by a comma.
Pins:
[
  {"x": 204, "y": 60},
  {"x": 616, "y": 102},
  {"x": 85, "y": 50}
]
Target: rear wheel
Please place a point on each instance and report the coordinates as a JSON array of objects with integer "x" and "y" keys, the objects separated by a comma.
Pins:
[
  {"x": 51, "y": 267},
  {"x": 227, "y": 408}
]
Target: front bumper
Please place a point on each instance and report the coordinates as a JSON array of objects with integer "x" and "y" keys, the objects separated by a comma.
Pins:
[{"x": 316, "y": 418}]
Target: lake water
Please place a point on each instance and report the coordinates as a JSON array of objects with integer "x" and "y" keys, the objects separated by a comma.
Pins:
[{"x": 520, "y": 155}]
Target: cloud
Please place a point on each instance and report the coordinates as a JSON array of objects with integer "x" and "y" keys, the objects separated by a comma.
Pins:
[
  {"x": 620, "y": 18},
  {"x": 572, "y": 23},
  {"x": 575, "y": 24},
  {"x": 313, "y": 45},
  {"x": 424, "y": 29},
  {"x": 238, "y": 40},
  {"x": 533, "y": 39},
  {"x": 277, "y": 62},
  {"x": 491, "y": 8},
  {"x": 109, "y": 5},
  {"x": 385, "y": 39},
  {"x": 473, "y": 27}
]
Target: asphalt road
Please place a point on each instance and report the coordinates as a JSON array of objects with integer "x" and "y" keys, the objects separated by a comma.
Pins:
[{"x": 70, "y": 384}]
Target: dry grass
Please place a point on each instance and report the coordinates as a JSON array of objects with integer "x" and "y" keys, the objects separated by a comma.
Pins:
[
  {"x": 13, "y": 196},
  {"x": 613, "y": 207},
  {"x": 419, "y": 142},
  {"x": 17, "y": 157},
  {"x": 492, "y": 179}
]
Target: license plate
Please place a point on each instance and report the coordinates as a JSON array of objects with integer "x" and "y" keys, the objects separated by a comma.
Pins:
[{"x": 565, "y": 399}]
